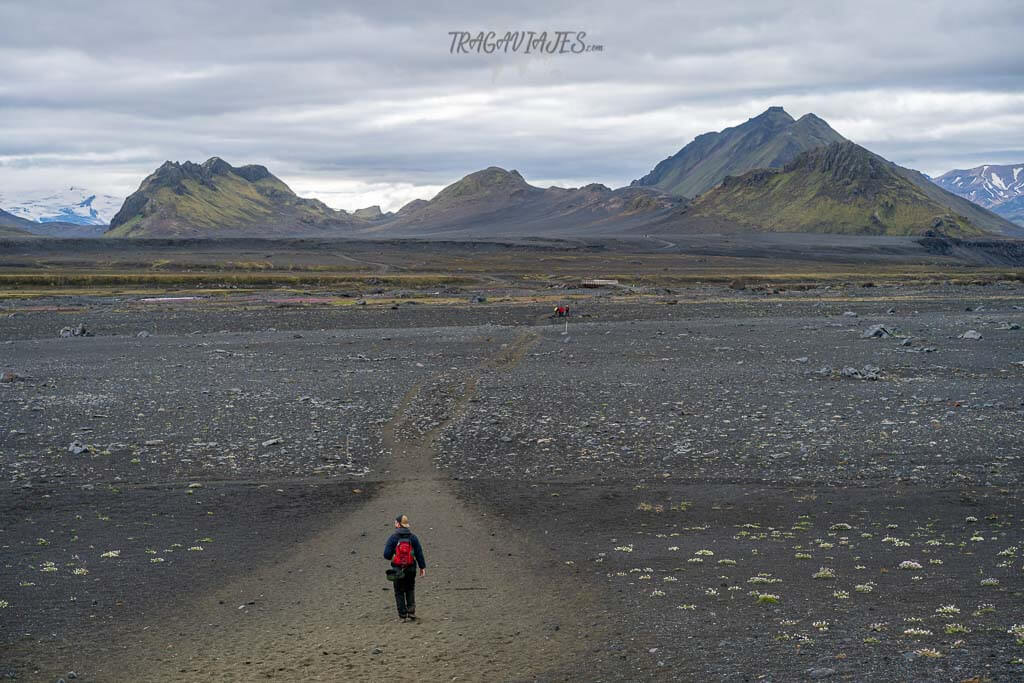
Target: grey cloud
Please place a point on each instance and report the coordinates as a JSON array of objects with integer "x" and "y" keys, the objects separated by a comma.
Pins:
[{"x": 103, "y": 91}]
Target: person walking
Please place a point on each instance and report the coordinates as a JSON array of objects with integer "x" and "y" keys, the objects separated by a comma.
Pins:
[{"x": 404, "y": 551}]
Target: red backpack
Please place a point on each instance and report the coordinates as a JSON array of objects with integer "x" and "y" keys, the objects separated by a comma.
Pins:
[{"x": 403, "y": 553}]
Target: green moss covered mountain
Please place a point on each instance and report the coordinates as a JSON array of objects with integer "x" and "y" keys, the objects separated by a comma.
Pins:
[
  {"x": 843, "y": 188},
  {"x": 215, "y": 199},
  {"x": 770, "y": 140}
]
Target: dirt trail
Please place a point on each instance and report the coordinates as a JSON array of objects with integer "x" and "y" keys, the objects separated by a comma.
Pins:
[{"x": 489, "y": 607}]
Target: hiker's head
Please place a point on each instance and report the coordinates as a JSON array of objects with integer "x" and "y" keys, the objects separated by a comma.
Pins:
[{"x": 401, "y": 521}]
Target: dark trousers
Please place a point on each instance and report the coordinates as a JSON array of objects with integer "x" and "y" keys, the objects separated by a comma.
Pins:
[{"x": 405, "y": 593}]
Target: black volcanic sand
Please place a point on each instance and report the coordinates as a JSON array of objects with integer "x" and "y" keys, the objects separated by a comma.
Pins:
[{"x": 647, "y": 495}]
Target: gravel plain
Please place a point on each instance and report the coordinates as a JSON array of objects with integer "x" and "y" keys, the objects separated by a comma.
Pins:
[{"x": 713, "y": 469}]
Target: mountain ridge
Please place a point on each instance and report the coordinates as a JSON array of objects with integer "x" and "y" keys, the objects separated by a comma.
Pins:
[
  {"x": 997, "y": 187},
  {"x": 845, "y": 188},
  {"x": 500, "y": 202},
  {"x": 768, "y": 140},
  {"x": 217, "y": 199}
]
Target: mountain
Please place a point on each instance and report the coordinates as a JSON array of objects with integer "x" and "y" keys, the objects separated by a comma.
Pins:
[
  {"x": 73, "y": 205},
  {"x": 215, "y": 199},
  {"x": 770, "y": 140},
  {"x": 999, "y": 188},
  {"x": 844, "y": 188},
  {"x": 13, "y": 226},
  {"x": 495, "y": 202},
  {"x": 371, "y": 213}
]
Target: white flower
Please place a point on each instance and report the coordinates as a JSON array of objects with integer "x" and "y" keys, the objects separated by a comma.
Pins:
[
  {"x": 111, "y": 553},
  {"x": 824, "y": 573},
  {"x": 917, "y": 632},
  {"x": 990, "y": 582},
  {"x": 910, "y": 565}
]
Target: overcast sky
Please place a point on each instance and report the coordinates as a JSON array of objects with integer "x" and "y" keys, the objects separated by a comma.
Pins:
[{"x": 362, "y": 103}]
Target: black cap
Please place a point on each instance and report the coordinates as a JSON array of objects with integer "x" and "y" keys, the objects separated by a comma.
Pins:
[{"x": 399, "y": 518}]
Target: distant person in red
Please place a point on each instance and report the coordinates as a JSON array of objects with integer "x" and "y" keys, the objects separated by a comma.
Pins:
[
  {"x": 405, "y": 552},
  {"x": 561, "y": 311}
]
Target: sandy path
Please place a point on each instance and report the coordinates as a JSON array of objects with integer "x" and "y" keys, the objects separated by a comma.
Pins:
[{"x": 490, "y": 608}]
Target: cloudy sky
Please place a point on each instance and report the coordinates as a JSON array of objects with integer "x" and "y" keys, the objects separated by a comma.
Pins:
[{"x": 362, "y": 103}]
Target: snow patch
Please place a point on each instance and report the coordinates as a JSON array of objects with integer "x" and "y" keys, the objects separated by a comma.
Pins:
[{"x": 71, "y": 205}]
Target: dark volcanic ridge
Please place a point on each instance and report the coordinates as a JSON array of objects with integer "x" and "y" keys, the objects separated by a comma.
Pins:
[{"x": 499, "y": 202}]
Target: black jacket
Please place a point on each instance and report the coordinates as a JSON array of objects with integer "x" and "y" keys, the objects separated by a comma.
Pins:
[{"x": 417, "y": 549}]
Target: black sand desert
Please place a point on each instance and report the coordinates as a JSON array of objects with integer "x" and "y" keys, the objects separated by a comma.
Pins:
[{"x": 691, "y": 482}]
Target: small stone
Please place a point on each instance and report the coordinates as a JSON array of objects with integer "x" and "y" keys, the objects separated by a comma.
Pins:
[
  {"x": 271, "y": 442},
  {"x": 970, "y": 334},
  {"x": 77, "y": 448},
  {"x": 143, "y": 334},
  {"x": 820, "y": 673}
]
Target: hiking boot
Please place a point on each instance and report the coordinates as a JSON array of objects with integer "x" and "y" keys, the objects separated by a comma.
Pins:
[{"x": 412, "y": 616}]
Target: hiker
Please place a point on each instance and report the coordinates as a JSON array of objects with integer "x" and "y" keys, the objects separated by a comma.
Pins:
[{"x": 404, "y": 551}]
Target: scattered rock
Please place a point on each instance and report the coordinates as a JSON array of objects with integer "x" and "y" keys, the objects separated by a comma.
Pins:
[
  {"x": 77, "y": 448},
  {"x": 1008, "y": 326},
  {"x": 143, "y": 334},
  {"x": 877, "y": 331},
  {"x": 849, "y": 314},
  {"x": 360, "y": 302},
  {"x": 478, "y": 299},
  {"x": 970, "y": 334},
  {"x": 820, "y": 673},
  {"x": 801, "y": 359},
  {"x": 76, "y": 331},
  {"x": 9, "y": 377},
  {"x": 271, "y": 442},
  {"x": 868, "y": 372},
  {"x": 907, "y": 342}
]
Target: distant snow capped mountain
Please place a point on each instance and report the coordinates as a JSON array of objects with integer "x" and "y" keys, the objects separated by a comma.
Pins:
[
  {"x": 72, "y": 205},
  {"x": 999, "y": 188}
]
